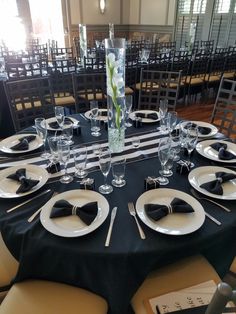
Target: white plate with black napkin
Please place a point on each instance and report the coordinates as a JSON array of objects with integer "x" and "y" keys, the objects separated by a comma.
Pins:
[
  {"x": 173, "y": 223},
  {"x": 102, "y": 114},
  {"x": 206, "y": 149},
  {"x": 9, "y": 187},
  {"x": 21, "y": 143},
  {"x": 52, "y": 124},
  {"x": 73, "y": 225},
  {"x": 204, "y": 179},
  {"x": 147, "y": 116},
  {"x": 205, "y": 129}
]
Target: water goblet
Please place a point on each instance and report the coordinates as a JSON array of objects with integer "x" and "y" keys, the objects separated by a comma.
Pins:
[
  {"x": 172, "y": 121},
  {"x": 95, "y": 125},
  {"x": 118, "y": 172},
  {"x": 60, "y": 116},
  {"x": 105, "y": 166},
  {"x": 128, "y": 108},
  {"x": 167, "y": 172},
  {"x": 191, "y": 141},
  {"x": 64, "y": 156},
  {"x": 67, "y": 132},
  {"x": 41, "y": 129},
  {"x": 80, "y": 158},
  {"x": 135, "y": 141},
  {"x": 163, "y": 154},
  {"x": 52, "y": 143},
  {"x": 175, "y": 144}
]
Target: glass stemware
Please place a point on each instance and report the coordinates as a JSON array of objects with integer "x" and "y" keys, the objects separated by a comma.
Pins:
[
  {"x": 60, "y": 116},
  {"x": 172, "y": 120},
  {"x": 163, "y": 154},
  {"x": 128, "y": 108},
  {"x": 105, "y": 166},
  {"x": 163, "y": 107},
  {"x": 167, "y": 172},
  {"x": 41, "y": 129},
  {"x": 191, "y": 141},
  {"x": 64, "y": 155},
  {"x": 67, "y": 132},
  {"x": 80, "y": 158},
  {"x": 94, "y": 108},
  {"x": 52, "y": 143},
  {"x": 118, "y": 172}
]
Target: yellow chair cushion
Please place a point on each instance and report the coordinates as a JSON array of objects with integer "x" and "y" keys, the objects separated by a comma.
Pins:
[
  {"x": 92, "y": 96},
  {"x": 28, "y": 105},
  {"x": 145, "y": 85},
  {"x": 229, "y": 74},
  {"x": 182, "y": 274},
  {"x": 212, "y": 78},
  {"x": 128, "y": 91},
  {"x": 44, "y": 297},
  {"x": 67, "y": 100},
  {"x": 194, "y": 80}
]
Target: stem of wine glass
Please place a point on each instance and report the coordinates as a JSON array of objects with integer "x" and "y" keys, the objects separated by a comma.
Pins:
[
  {"x": 65, "y": 166},
  {"x": 105, "y": 180}
]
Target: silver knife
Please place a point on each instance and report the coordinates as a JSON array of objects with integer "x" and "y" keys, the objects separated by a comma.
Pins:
[
  {"x": 31, "y": 199},
  {"x": 213, "y": 219},
  {"x": 113, "y": 216}
]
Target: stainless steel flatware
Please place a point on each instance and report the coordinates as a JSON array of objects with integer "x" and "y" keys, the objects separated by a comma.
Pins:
[
  {"x": 213, "y": 219},
  {"x": 31, "y": 199},
  {"x": 209, "y": 200},
  {"x": 133, "y": 213},
  {"x": 113, "y": 216},
  {"x": 31, "y": 218}
]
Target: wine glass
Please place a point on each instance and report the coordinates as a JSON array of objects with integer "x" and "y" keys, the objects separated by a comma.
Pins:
[
  {"x": 80, "y": 158},
  {"x": 175, "y": 138},
  {"x": 167, "y": 172},
  {"x": 128, "y": 107},
  {"x": 64, "y": 155},
  {"x": 41, "y": 129},
  {"x": 163, "y": 154},
  {"x": 60, "y": 116},
  {"x": 52, "y": 143},
  {"x": 191, "y": 140},
  {"x": 105, "y": 166},
  {"x": 172, "y": 120},
  {"x": 95, "y": 125},
  {"x": 67, "y": 132},
  {"x": 94, "y": 108}
]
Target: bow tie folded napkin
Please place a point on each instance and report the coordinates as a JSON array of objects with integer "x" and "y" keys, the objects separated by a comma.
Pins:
[
  {"x": 25, "y": 184},
  {"x": 24, "y": 142},
  {"x": 87, "y": 213},
  {"x": 223, "y": 153},
  {"x": 151, "y": 116},
  {"x": 158, "y": 211},
  {"x": 201, "y": 129},
  {"x": 55, "y": 125},
  {"x": 215, "y": 186}
]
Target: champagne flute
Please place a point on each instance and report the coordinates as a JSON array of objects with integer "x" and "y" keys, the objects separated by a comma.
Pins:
[
  {"x": 64, "y": 155},
  {"x": 163, "y": 154},
  {"x": 60, "y": 116},
  {"x": 80, "y": 158},
  {"x": 105, "y": 166},
  {"x": 41, "y": 129},
  {"x": 191, "y": 141}
]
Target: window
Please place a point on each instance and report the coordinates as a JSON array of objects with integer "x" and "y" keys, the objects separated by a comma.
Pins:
[{"x": 223, "y": 6}]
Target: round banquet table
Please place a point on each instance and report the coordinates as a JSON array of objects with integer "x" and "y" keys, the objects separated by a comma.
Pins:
[{"x": 114, "y": 272}]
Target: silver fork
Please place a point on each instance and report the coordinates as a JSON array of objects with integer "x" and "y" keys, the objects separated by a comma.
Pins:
[
  {"x": 31, "y": 218},
  {"x": 209, "y": 200},
  {"x": 133, "y": 213}
]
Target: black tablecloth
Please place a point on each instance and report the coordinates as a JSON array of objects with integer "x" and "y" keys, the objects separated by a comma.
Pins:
[{"x": 117, "y": 271}]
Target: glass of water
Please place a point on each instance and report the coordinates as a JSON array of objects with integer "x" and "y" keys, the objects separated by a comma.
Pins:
[
  {"x": 105, "y": 166},
  {"x": 64, "y": 156},
  {"x": 80, "y": 158},
  {"x": 118, "y": 172},
  {"x": 95, "y": 126},
  {"x": 60, "y": 116},
  {"x": 41, "y": 129}
]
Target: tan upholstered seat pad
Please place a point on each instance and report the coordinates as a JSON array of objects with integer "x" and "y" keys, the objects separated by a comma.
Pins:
[
  {"x": 44, "y": 297},
  {"x": 28, "y": 105},
  {"x": 128, "y": 91},
  {"x": 65, "y": 101}
]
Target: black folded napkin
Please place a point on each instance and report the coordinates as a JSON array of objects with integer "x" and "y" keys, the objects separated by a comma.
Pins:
[
  {"x": 158, "y": 211},
  {"x": 87, "y": 213},
  {"x": 223, "y": 153},
  {"x": 215, "y": 186},
  {"x": 201, "y": 129},
  {"x": 55, "y": 125},
  {"x": 24, "y": 142},
  {"x": 151, "y": 116},
  {"x": 26, "y": 184},
  {"x": 103, "y": 113}
]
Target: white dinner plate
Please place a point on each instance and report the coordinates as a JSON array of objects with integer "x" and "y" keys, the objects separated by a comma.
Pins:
[
  {"x": 144, "y": 120},
  {"x": 102, "y": 118},
  {"x": 172, "y": 224},
  {"x": 7, "y": 143},
  {"x": 204, "y": 149},
  {"x": 8, "y": 187},
  {"x": 205, "y": 174},
  {"x": 53, "y": 119},
  {"x": 73, "y": 226},
  {"x": 213, "y": 132}
]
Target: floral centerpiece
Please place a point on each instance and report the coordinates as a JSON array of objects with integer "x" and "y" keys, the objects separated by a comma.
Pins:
[{"x": 115, "y": 69}]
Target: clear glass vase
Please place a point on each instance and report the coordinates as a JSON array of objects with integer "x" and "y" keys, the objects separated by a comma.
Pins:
[
  {"x": 82, "y": 42},
  {"x": 115, "y": 69}
]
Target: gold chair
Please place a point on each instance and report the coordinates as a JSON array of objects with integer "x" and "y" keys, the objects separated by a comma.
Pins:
[{"x": 45, "y": 297}]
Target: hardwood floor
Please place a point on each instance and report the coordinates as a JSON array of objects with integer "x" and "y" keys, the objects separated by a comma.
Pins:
[{"x": 198, "y": 112}]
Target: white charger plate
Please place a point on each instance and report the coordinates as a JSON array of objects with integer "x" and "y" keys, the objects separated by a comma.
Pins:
[
  {"x": 144, "y": 120},
  {"x": 7, "y": 143},
  {"x": 73, "y": 226},
  {"x": 172, "y": 224},
  {"x": 204, "y": 149},
  {"x": 213, "y": 132},
  {"x": 205, "y": 174},
  {"x": 53, "y": 119},
  {"x": 8, "y": 187},
  {"x": 101, "y": 118}
]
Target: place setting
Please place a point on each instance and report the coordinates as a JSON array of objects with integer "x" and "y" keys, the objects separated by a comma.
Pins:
[
  {"x": 146, "y": 116},
  {"x": 205, "y": 129}
]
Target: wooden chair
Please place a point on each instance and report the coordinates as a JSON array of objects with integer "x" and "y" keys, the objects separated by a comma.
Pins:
[
  {"x": 87, "y": 87},
  {"x": 158, "y": 85},
  {"x": 224, "y": 112},
  {"x": 29, "y": 99},
  {"x": 37, "y": 296}
]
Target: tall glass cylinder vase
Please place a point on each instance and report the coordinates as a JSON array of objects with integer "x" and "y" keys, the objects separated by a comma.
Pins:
[
  {"x": 115, "y": 69},
  {"x": 83, "y": 42}
]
